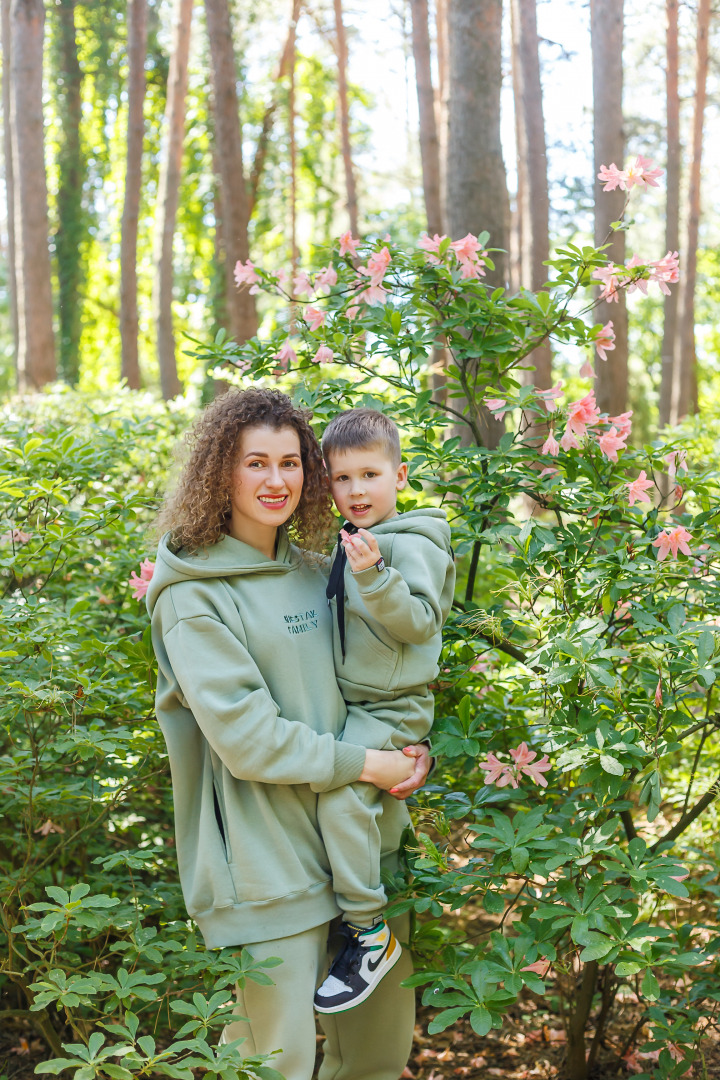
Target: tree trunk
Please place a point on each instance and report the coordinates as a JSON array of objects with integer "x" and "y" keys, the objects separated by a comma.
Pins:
[
  {"x": 672, "y": 214},
  {"x": 442, "y": 98},
  {"x": 36, "y": 343},
  {"x": 136, "y": 48},
  {"x": 576, "y": 1057},
  {"x": 606, "y": 18},
  {"x": 71, "y": 174},
  {"x": 342, "y": 58},
  {"x": 228, "y": 148},
  {"x": 476, "y": 185},
  {"x": 168, "y": 191},
  {"x": 533, "y": 201},
  {"x": 684, "y": 392},
  {"x": 8, "y": 174},
  {"x": 429, "y": 148}
]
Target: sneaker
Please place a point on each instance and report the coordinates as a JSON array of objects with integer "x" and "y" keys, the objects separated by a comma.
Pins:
[{"x": 367, "y": 955}]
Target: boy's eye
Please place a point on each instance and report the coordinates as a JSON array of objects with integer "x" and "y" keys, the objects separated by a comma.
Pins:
[{"x": 370, "y": 475}]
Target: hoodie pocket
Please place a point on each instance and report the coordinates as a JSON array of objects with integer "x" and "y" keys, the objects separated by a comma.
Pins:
[
  {"x": 222, "y": 823},
  {"x": 369, "y": 662}
]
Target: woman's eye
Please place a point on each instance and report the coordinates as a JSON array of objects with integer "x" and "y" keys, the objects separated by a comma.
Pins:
[{"x": 370, "y": 475}]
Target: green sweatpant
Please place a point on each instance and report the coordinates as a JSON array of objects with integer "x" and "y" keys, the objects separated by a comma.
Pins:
[
  {"x": 360, "y": 825},
  {"x": 370, "y": 1042}
]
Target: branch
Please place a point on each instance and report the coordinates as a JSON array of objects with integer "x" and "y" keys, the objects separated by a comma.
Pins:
[{"x": 687, "y": 819}]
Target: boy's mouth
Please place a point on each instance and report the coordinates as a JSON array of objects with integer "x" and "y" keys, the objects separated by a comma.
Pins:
[{"x": 360, "y": 508}]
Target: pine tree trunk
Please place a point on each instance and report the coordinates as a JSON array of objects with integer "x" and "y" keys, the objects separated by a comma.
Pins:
[
  {"x": 429, "y": 147},
  {"x": 228, "y": 150},
  {"x": 71, "y": 175},
  {"x": 606, "y": 17},
  {"x": 672, "y": 212},
  {"x": 36, "y": 342},
  {"x": 476, "y": 185},
  {"x": 168, "y": 193},
  {"x": 136, "y": 48},
  {"x": 533, "y": 201},
  {"x": 342, "y": 58},
  {"x": 442, "y": 96},
  {"x": 684, "y": 395},
  {"x": 8, "y": 174}
]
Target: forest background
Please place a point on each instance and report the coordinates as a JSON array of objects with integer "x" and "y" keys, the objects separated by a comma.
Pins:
[{"x": 149, "y": 147}]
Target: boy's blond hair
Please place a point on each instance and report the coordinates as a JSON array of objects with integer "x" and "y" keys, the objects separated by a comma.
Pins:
[{"x": 358, "y": 429}]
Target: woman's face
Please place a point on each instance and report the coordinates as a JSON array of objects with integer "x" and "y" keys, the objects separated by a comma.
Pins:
[{"x": 266, "y": 484}]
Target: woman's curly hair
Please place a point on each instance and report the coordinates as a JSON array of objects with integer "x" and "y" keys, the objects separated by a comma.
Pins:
[{"x": 198, "y": 511}]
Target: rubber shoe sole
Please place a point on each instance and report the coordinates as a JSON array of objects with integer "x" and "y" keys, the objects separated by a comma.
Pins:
[{"x": 389, "y": 962}]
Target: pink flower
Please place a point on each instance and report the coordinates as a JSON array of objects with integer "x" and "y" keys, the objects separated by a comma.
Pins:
[
  {"x": 611, "y": 177},
  {"x": 540, "y": 967},
  {"x": 658, "y": 694},
  {"x": 587, "y": 371},
  {"x": 551, "y": 446},
  {"x": 494, "y": 769},
  {"x": 140, "y": 584},
  {"x": 622, "y": 422},
  {"x": 611, "y": 442},
  {"x": 605, "y": 340},
  {"x": 642, "y": 174},
  {"x": 314, "y": 317},
  {"x": 666, "y": 270},
  {"x": 568, "y": 441},
  {"x": 286, "y": 354},
  {"x": 672, "y": 542},
  {"x": 550, "y": 396},
  {"x": 549, "y": 471},
  {"x": 302, "y": 285},
  {"x": 431, "y": 246},
  {"x": 282, "y": 276},
  {"x": 352, "y": 312},
  {"x": 374, "y": 294},
  {"x": 324, "y": 355},
  {"x": 641, "y": 282},
  {"x": 497, "y": 407},
  {"x": 612, "y": 279},
  {"x": 245, "y": 275},
  {"x": 675, "y": 460},
  {"x": 348, "y": 246},
  {"x": 583, "y": 414},
  {"x": 637, "y": 489},
  {"x": 16, "y": 536},
  {"x": 622, "y": 611},
  {"x": 377, "y": 264},
  {"x": 327, "y": 276},
  {"x": 467, "y": 248}
]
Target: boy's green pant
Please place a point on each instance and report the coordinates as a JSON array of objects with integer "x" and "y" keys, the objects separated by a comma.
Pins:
[{"x": 370, "y": 1042}]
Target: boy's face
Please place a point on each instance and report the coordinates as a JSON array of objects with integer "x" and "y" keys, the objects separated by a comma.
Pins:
[{"x": 364, "y": 485}]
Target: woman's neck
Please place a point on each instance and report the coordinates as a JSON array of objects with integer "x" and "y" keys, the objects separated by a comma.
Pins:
[{"x": 262, "y": 537}]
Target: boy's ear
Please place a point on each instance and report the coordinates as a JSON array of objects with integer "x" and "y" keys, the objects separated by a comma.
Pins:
[{"x": 401, "y": 476}]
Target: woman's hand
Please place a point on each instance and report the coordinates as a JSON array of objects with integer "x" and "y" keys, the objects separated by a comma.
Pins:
[
  {"x": 387, "y": 768},
  {"x": 420, "y": 756}
]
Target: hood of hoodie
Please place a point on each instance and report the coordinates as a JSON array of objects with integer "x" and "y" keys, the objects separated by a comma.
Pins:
[
  {"x": 228, "y": 558},
  {"x": 428, "y": 521}
]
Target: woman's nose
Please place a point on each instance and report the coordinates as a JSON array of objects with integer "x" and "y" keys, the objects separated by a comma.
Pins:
[{"x": 275, "y": 478}]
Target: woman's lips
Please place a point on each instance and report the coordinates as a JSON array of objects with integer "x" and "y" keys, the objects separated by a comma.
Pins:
[{"x": 272, "y": 503}]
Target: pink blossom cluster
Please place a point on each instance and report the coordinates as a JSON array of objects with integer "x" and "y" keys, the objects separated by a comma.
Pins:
[
  {"x": 640, "y": 174},
  {"x": 467, "y": 251},
  {"x": 613, "y": 278},
  {"x": 375, "y": 270},
  {"x": 501, "y": 774},
  {"x": 582, "y": 415},
  {"x": 672, "y": 541},
  {"x": 16, "y": 536},
  {"x": 247, "y": 275},
  {"x": 140, "y": 584}
]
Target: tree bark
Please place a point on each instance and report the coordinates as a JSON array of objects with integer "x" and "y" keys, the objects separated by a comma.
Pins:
[
  {"x": 476, "y": 185},
  {"x": 168, "y": 192},
  {"x": 606, "y": 18},
  {"x": 429, "y": 146},
  {"x": 8, "y": 175},
  {"x": 228, "y": 148},
  {"x": 442, "y": 98},
  {"x": 136, "y": 48},
  {"x": 71, "y": 174},
  {"x": 342, "y": 58},
  {"x": 36, "y": 342},
  {"x": 533, "y": 200},
  {"x": 672, "y": 212},
  {"x": 576, "y": 1059},
  {"x": 684, "y": 390}
]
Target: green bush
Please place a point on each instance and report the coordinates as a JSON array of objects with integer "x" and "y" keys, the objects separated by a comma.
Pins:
[{"x": 99, "y": 954}]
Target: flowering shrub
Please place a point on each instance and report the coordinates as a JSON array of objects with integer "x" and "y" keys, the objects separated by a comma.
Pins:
[{"x": 575, "y": 708}]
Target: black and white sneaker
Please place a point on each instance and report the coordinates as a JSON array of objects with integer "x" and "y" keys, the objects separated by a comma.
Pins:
[{"x": 367, "y": 956}]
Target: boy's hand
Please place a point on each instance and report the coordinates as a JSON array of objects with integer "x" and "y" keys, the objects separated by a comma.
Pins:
[{"x": 361, "y": 549}]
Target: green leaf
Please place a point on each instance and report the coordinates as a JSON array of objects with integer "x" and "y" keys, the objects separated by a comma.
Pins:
[
  {"x": 650, "y": 986},
  {"x": 480, "y": 1020},
  {"x": 611, "y": 765},
  {"x": 676, "y": 617},
  {"x": 444, "y": 1019}
]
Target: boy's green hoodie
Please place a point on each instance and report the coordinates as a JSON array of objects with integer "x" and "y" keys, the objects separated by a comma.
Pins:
[
  {"x": 393, "y": 637},
  {"x": 251, "y": 712}
]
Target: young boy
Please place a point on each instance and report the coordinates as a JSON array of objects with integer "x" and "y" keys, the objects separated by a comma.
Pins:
[{"x": 391, "y": 589}]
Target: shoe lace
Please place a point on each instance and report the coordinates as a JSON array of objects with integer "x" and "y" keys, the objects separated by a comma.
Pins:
[{"x": 350, "y": 957}]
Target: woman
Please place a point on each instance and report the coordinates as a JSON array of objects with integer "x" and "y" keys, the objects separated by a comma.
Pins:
[{"x": 253, "y": 720}]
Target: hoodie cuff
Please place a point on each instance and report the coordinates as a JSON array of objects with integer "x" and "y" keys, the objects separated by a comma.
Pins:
[
  {"x": 369, "y": 581},
  {"x": 349, "y": 763}
]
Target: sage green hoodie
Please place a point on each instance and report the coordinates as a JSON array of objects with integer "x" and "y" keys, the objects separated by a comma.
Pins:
[
  {"x": 393, "y": 630},
  {"x": 251, "y": 713}
]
